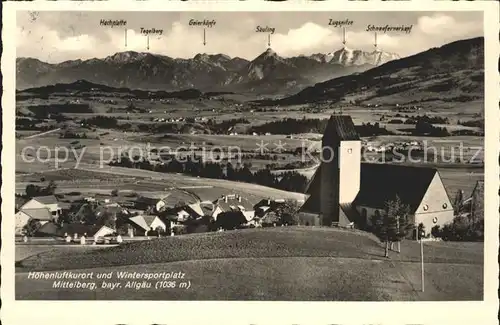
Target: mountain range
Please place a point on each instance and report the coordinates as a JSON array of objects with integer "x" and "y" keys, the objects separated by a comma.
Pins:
[
  {"x": 267, "y": 73},
  {"x": 451, "y": 73}
]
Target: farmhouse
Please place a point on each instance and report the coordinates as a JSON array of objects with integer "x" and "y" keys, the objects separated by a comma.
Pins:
[
  {"x": 234, "y": 204},
  {"x": 191, "y": 211},
  {"x": 24, "y": 216},
  {"x": 50, "y": 202},
  {"x": 267, "y": 206},
  {"x": 345, "y": 192},
  {"x": 42, "y": 209},
  {"x": 142, "y": 224},
  {"x": 98, "y": 209}
]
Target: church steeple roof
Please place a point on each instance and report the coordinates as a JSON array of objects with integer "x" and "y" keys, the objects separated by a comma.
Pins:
[{"x": 340, "y": 128}]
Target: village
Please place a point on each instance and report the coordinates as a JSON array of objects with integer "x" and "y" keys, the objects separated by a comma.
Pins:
[
  {"x": 350, "y": 198},
  {"x": 102, "y": 220}
]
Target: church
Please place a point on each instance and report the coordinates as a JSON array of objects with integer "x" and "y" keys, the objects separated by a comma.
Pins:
[{"x": 346, "y": 192}]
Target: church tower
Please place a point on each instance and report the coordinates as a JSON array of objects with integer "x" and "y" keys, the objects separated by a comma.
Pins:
[{"x": 340, "y": 170}]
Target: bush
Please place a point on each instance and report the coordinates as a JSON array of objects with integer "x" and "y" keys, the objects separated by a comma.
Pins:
[
  {"x": 462, "y": 228},
  {"x": 35, "y": 190},
  {"x": 426, "y": 128},
  {"x": 161, "y": 231},
  {"x": 179, "y": 230},
  {"x": 230, "y": 220},
  {"x": 101, "y": 121},
  {"x": 436, "y": 231}
]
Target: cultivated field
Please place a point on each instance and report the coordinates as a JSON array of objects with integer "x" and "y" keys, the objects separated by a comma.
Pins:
[
  {"x": 291, "y": 263},
  {"x": 90, "y": 180}
]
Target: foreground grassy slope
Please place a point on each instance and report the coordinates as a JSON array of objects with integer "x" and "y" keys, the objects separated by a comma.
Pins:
[
  {"x": 292, "y": 263},
  {"x": 283, "y": 278},
  {"x": 289, "y": 263}
]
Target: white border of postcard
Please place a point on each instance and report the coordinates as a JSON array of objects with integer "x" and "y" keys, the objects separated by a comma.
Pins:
[{"x": 191, "y": 313}]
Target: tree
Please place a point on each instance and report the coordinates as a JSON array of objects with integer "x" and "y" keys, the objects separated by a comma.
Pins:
[
  {"x": 392, "y": 226},
  {"x": 51, "y": 188},
  {"x": 463, "y": 228},
  {"x": 180, "y": 204},
  {"x": 287, "y": 212},
  {"x": 33, "y": 190},
  {"x": 477, "y": 204},
  {"x": 108, "y": 219},
  {"x": 114, "y": 192},
  {"x": 436, "y": 231},
  {"x": 423, "y": 127},
  {"x": 122, "y": 228},
  {"x": 230, "y": 220},
  {"x": 230, "y": 173},
  {"x": 458, "y": 203},
  {"x": 87, "y": 215},
  {"x": 121, "y": 223},
  {"x": 421, "y": 230},
  {"x": 160, "y": 230},
  {"x": 32, "y": 227}
]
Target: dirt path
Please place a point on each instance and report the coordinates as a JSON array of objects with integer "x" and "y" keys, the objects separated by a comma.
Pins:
[{"x": 43, "y": 133}]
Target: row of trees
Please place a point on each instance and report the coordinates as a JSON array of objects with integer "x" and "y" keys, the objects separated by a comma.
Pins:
[
  {"x": 306, "y": 125},
  {"x": 468, "y": 224},
  {"x": 106, "y": 122},
  {"x": 463, "y": 228},
  {"x": 472, "y": 123},
  {"x": 54, "y": 111},
  {"x": 291, "y": 126},
  {"x": 223, "y": 126},
  {"x": 426, "y": 128},
  {"x": 368, "y": 130},
  {"x": 426, "y": 118},
  {"x": 28, "y": 124},
  {"x": 33, "y": 190}
]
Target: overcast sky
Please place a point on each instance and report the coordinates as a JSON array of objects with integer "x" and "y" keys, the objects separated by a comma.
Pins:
[{"x": 59, "y": 36}]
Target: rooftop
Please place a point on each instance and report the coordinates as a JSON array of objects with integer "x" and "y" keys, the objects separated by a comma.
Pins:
[
  {"x": 340, "y": 128},
  {"x": 382, "y": 182},
  {"x": 42, "y": 214},
  {"x": 234, "y": 202},
  {"x": 49, "y": 199}
]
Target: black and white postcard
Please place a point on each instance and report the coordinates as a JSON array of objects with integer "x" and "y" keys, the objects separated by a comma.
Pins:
[{"x": 221, "y": 162}]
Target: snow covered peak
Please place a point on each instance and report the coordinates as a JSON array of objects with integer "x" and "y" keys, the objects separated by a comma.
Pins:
[{"x": 352, "y": 57}]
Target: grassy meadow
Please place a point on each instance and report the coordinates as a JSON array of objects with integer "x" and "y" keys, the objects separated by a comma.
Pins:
[{"x": 290, "y": 263}]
